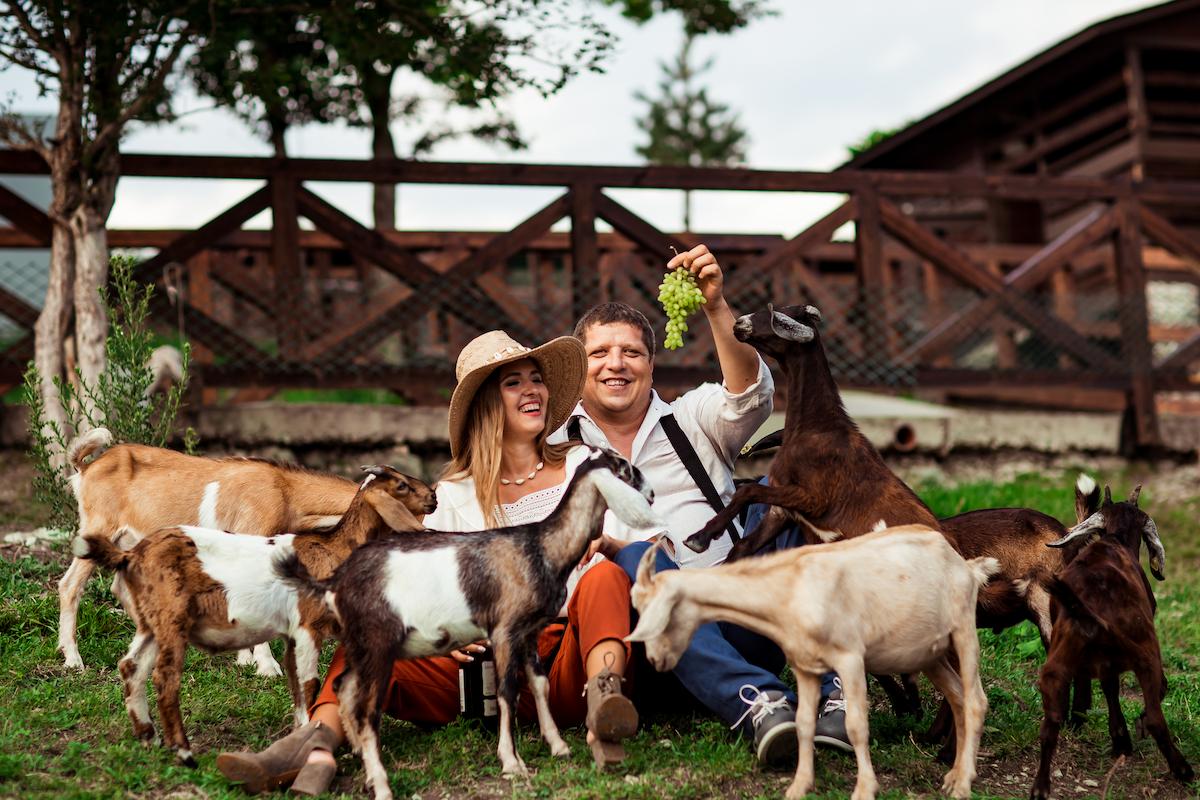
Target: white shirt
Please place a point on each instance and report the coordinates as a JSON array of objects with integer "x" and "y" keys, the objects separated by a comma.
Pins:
[
  {"x": 458, "y": 509},
  {"x": 718, "y": 423}
]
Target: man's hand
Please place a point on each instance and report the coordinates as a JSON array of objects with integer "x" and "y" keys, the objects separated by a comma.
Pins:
[
  {"x": 709, "y": 278},
  {"x": 464, "y": 656}
]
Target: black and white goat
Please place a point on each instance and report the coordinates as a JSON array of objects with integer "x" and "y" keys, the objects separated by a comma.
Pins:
[{"x": 430, "y": 593}]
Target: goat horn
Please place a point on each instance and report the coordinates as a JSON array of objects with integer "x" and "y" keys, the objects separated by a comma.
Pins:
[
  {"x": 645, "y": 571},
  {"x": 789, "y": 329},
  {"x": 1133, "y": 496},
  {"x": 378, "y": 470},
  {"x": 1088, "y": 526},
  {"x": 1107, "y": 495},
  {"x": 1158, "y": 554}
]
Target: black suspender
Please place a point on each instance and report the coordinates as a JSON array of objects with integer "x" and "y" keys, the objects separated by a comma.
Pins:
[{"x": 687, "y": 454}]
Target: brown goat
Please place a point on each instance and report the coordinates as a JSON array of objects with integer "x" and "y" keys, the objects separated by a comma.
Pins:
[
  {"x": 1103, "y": 625},
  {"x": 826, "y": 476},
  {"x": 218, "y": 590},
  {"x": 139, "y": 489}
]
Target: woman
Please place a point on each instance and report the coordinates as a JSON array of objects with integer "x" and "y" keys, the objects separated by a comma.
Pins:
[{"x": 502, "y": 472}]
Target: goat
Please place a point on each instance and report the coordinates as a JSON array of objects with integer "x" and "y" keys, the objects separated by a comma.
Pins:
[
  {"x": 1103, "y": 608},
  {"x": 905, "y": 600},
  {"x": 430, "y": 593},
  {"x": 138, "y": 489},
  {"x": 827, "y": 476},
  {"x": 217, "y": 590}
]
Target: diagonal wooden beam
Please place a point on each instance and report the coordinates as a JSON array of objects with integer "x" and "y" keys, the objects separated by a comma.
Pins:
[
  {"x": 924, "y": 243},
  {"x": 389, "y": 316},
  {"x": 245, "y": 287},
  {"x": 208, "y": 234},
  {"x": 17, "y": 309},
  {"x": 1187, "y": 352},
  {"x": 1030, "y": 273},
  {"x": 373, "y": 247},
  {"x": 206, "y": 330},
  {"x": 25, "y": 216},
  {"x": 816, "y": 234},
  {"x": 1161, "y": 229},
  {"x": 636, "y": 229}
]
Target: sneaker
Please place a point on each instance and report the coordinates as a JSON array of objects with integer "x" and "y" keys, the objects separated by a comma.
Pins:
[
  {"x": 774, "y": 722},
  {"x": 831, "y": 721}
]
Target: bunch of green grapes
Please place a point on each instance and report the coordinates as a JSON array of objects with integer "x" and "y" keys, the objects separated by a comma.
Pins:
[{"x": 680, "y": 297}]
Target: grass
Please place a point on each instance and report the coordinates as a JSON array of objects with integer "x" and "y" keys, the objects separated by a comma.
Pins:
[{"x": 64, "y": 733}]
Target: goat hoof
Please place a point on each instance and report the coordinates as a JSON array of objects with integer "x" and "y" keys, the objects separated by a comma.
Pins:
[
  {"x": 73, "y": 661},
  {"x": 187, "y": 759},
  {"x": 696, "y": 543},
  {"x": 1122, "y": 747}
]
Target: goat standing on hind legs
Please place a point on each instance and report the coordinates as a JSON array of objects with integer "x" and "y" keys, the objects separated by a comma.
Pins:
[{"x": 1103, "y": 614}]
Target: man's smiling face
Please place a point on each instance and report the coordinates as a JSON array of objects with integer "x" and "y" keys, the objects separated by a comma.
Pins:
[{"x": 620, "y": 371}]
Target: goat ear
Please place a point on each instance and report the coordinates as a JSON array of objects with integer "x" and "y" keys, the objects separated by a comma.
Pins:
[
  {"x": 814, "y": 312},
  {"x": 1107, "y": 495},
  {"x": 645, "y": 570},
  {"x": 789, "y": 329},
  {"x": 1133, "y": 496},
  {"x": 655, "y": 617},
  {"x": 394, "y": 513},
  {"x": 1158, "y": 554}
]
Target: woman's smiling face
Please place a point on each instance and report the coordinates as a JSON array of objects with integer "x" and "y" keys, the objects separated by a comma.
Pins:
[{"x": 525, "y": 398}]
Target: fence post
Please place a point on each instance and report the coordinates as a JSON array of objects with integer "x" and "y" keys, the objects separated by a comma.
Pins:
[
  {"x": 1134, "y": 316},
  {"x": 585, "y": 262},
  {"x": 285, "y": 263},
  {"x": 868, "y": 252}
]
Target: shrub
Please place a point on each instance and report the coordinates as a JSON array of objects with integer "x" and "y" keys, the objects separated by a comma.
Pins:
[{"x": 117, "y": 401}]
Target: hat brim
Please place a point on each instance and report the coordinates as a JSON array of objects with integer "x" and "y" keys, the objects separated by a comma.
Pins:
[{"x": 563, "y": 364}]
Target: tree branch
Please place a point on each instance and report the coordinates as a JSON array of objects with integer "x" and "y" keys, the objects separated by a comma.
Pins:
[
  {"x": 26, "y": 23},
  {"x": 17, "y": 135}
]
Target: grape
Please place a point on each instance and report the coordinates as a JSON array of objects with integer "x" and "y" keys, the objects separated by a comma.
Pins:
[{"x": 680, "y": 297}]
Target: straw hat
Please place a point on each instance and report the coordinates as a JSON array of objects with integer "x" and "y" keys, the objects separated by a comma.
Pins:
[{"x": 562, "y": 362}]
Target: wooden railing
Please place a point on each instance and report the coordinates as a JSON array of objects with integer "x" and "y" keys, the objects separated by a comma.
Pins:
[{"x": 258, "y": 308}]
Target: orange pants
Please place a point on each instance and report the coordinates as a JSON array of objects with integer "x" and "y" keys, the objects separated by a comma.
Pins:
[{"x": 425, "y": 690}]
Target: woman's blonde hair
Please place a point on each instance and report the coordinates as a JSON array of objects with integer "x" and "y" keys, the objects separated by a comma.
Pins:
[{"x": 480, "y": 458}]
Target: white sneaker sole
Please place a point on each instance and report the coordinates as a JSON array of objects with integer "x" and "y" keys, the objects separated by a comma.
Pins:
[
  {"x": 779, "y": 747},
  {"x": 834, "y": 742}
]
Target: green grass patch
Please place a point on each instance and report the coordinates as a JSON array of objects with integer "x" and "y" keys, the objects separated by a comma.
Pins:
[
  {"x": 372, "y": 396},
  {"x": 65, "y": 734}
]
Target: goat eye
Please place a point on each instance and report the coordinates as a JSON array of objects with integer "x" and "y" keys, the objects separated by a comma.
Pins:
[{"x": 402, "y": 488}]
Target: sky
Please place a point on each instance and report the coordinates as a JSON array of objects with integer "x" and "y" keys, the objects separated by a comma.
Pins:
[{"x": 806, "y": 83}]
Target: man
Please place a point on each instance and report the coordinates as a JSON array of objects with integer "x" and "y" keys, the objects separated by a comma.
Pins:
[{"x": 731, "y": 671}]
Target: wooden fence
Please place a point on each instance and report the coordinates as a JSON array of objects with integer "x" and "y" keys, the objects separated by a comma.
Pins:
[{"x": 252, "y": 302}]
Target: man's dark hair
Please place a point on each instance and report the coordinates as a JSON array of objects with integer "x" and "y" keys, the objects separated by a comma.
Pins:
[{"x": 611, "y": 313}]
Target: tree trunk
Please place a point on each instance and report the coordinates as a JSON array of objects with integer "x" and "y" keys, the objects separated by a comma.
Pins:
[
  {"x": 378, "y": 92},
  {"x": 91, "y": 321},
  {"x": 49, "y": 332},
  {"x": 277, "y": 141}
]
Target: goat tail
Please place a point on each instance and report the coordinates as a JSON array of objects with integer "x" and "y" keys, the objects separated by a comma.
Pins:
[
  {"x": 1087, "y": 497},
  {"x": 101, "y": 550},
  {"x": 291, "y": 570},
  {"x": 83, "y": 446},
  {"x": 983, "y": 568}
]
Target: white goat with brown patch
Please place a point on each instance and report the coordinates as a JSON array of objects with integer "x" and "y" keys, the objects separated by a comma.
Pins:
[
  {"x": 219, "y": 591},
  {"x": 430, "y": 593},
  {"x": 898, "y": 600},
  {"x": 131, "y": 490}
]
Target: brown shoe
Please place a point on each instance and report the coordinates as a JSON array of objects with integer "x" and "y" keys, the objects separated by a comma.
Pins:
[
  {"x": 279, "y": 764},
  {"x": 611, "y": 717}
]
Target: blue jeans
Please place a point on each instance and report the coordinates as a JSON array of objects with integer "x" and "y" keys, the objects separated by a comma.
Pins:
[{"x": 723, "y": 657}]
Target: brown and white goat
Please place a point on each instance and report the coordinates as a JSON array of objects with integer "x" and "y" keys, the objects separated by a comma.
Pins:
[
  {"x": 1103, "y": 611},
  {"x": 138, "y": 489},
  {"x": 827, "y": 476},
  {"x": 218, "y": 591},
  {"x": 430, "y": 593},
  {"x": 898, "y": 600}
]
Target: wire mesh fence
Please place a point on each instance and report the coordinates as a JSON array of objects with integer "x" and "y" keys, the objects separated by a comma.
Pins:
[{"x": 346, "y": 323}]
